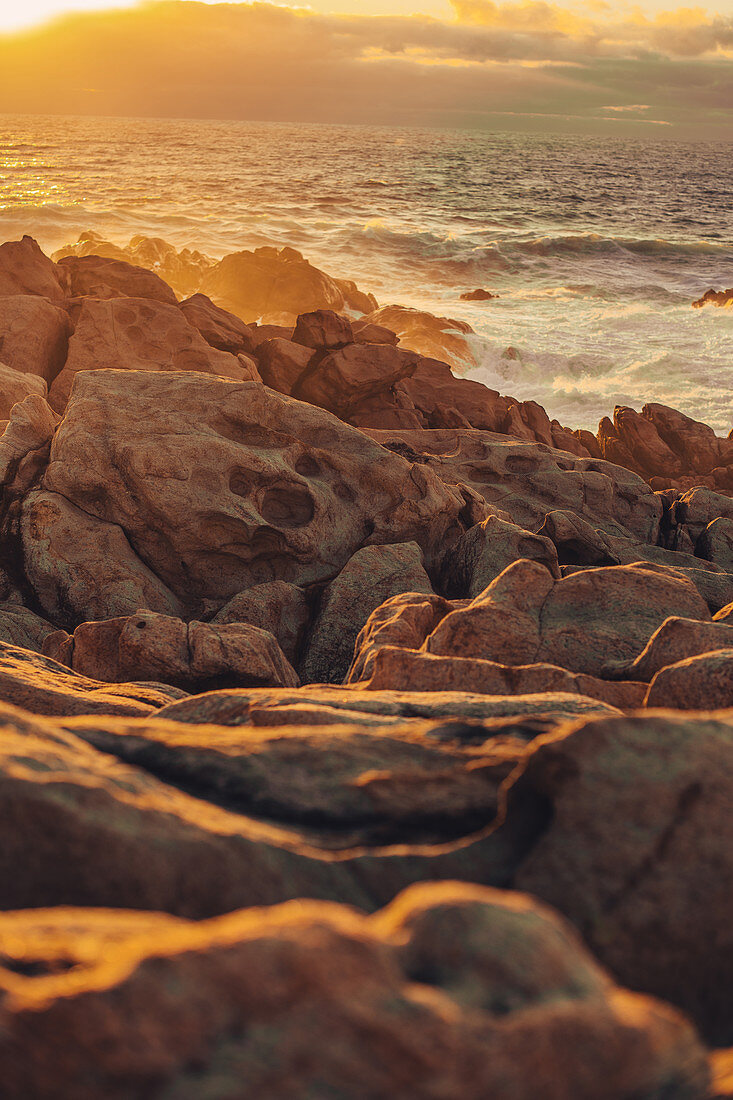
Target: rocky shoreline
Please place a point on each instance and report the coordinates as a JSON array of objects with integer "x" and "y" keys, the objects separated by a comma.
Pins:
[{"x": 365, "y": 733}]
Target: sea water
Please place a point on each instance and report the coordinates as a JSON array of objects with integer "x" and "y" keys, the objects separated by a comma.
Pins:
[{"x": 596, "y": 246}]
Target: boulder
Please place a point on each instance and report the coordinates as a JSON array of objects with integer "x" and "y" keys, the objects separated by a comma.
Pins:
[
  {"x": 275, "y": 606},
  {"x": 636, "y": 848},
  {"x": 371, "y": 576},
  {"x": 703, "y": 682},
  {"x": 714, "y": 297},
  {"x": 595, "y": 621},
  {"x": 695, "y": 444},
  {"x": 404, "y": 620},
  {"x": 323, "y": 329},
  {"x": 218, "y": 486},
  {"x": 196, "y": 656},
  {"x": 440, "y": 397},
  {"x": 366, "y": 332},
  {"x": 698, "y": 507},
  {"x": 24, "y": 448},
  {"x": 391, "y": 668},
  {"x": 104, "y": 277},
  {"x": 42, "y": 686},
  {"x": 715, "y": 543},
  {"x": 528, "y": 480},
  {"x": 443, "y": 993},
  {"x": 182, "y": 270},
  {"x": 270, "y": 284},
  {"x": 676, "y": 639},
  {"x": 221, "y": 330},
  {"x": 651, "y": 455},
  {"x": 343, "y": 379},
  {"x": 576, "y": 541},
  {"x": 83, "y": 568},
  {"x": 19, "y": 626},
  {"x": 15, "y": 386},
  {"x": 34, "y": 335},
  {"x": 25, "y": 270},
  {"x": 138, "y": 334},
  {"x": 281, "y": 363},
  {"x": 486, "y": 550},
  {"x": 442, "y": 338}
]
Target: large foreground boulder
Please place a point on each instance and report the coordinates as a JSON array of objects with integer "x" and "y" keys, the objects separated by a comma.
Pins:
[
  {"x": 637, "y": 850},
  {"x": 451, "y": 991},
  {"x": 217, "y": 486}
]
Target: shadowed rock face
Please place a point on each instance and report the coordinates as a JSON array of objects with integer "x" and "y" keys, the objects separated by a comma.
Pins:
[
  {"x": 451, "y": 991},
  {"x": 34, "y": 336},
  {"x": 235, "y": 486}
]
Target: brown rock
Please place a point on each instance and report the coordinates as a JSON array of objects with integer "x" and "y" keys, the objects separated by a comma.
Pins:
[
  {"x": 103, "y": 277},
  {"x": 462, "y": 991},
  {"x": 442, "y": 338},
  {"x": 373, "y": 575},
  {"x": 392, "y": 668},
  {"x": 486, "y": 550},
  {"x": 404, "y": 620},
  {"x": 725, "y": 614},
  {"x": 366, "y": 332},
  {"x": 479, "y": 295},
  {"x": 221, "y": 330},
  {"x": 281, "y": 363},
  {"x": 700, "y": 506},
  {"x": 651, "y": 455},
  {"x": 343, "y": 379},
  {"x": 636, "y": 850},
  {"x": 19, "y": 626},
  {"x": 14, "y": 387},
  {"x": 714, "y": 297},
  {"x": 323, "y": 329},
  {"x": 196, "y": 656},
  {"x": 577, "y": 542},
  {"x": 434, "y": 390},
  {"x": 41, "y": 686},
  {"x": 715, "y": 544},
  {"x": 137, "y": 334},
  {"x": 25, "y": 270},
  {"x": 268, "y": 284},
  {"x": 696, "y": 445},
  {"x": 595, "y": 621},
  {"x": 703, "y": 682},
  {"x": 676, "y": 639},
  {"x": 278, "y": 607},
  {"x": 34, "y": 335},
  {"x": 236, "y": 485},
  {"x": 83, "y": 568}
]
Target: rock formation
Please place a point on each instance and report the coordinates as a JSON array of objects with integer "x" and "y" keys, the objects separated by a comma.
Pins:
[{"x": 324, "y": 674}]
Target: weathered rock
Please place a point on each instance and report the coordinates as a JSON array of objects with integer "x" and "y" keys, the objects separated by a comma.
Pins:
[
  {"x": 19, "y": 626},
  {"x": 714, "y": 297},
  {"x": 595, "y": 621},
  {"x": 528, "y": 480},
  {"x": 479, "y": 295},
  {"x": 715, "y": 544},
  {"x": 42, "y": 686},
  {"x": 486, "y": 550},
  {"x": 323, "y": 329},
  {"x": 699, "y": 507},
  {"x": 636, "y": 851},
  {"x": 137, "y": 334},
  {"x": 343, "y": 379},
  {"x": 373, "y": 575},
  {"x": 278, "y": 607},
  {"x": 236, "y": 485},
  {"x": 696, "y": 445},
  {"x": 391, "y": 668},
  {"x": 676, "y": 639},
  {"x": 83, "y": 568},
  {"x": 271, "y": 284},
  {"x": 577, "y": 542},
  {"x": 24, "y": 448},
  {"x": 366, "y": 332},
  {"x": 34, "y": 335},
  {"x": 220, "y": 329},
  {"x": 25, "y": 270},
  {"x": 435, "y": 392},
  {"x": 651, "y": 455},
  {"x": 196, "y": 656},
  {"x": 282, "y": 363},
  {"x": 462, "y": 991},
  {"x": 103, "y": 277},
  {"x": 182, "y": 270},
  {"x": 14, "y": 387},
  {"x": 725, "y": 614},
  {"x": 342, "y": 784},
  {"x": 703, "y": 682},
  {"x": 404, "y": 620},
  {"x": 441, "y": 338},
  {"x": 262, "y": 706}
]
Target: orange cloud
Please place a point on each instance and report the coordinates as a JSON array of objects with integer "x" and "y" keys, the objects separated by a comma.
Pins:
[{"x": 529, "y": 60}]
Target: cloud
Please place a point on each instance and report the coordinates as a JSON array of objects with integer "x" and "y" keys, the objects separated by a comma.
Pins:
[{"x": 528, "y": 64}]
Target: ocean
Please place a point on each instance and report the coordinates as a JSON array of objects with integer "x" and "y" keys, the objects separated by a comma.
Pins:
[{"x": 595, "y": 246}]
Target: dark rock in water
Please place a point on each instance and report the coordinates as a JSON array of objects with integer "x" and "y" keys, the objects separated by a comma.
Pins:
[
  {"x": 715, "y": 298},
  {"x": 451, "y": 991},
  {"x": 478, "y": 295}
]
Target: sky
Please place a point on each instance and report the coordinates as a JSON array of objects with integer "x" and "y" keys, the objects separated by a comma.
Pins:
[{"x": 605, "y": 66}]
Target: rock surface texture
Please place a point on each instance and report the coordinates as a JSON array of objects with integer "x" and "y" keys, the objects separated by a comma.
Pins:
[{"x": 363, "y": 732}]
